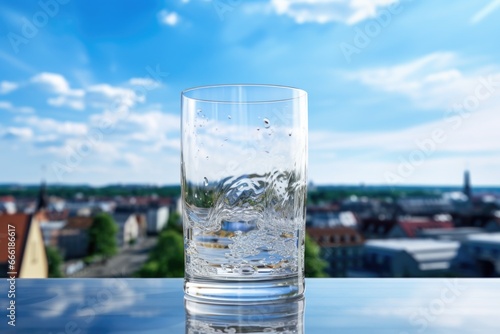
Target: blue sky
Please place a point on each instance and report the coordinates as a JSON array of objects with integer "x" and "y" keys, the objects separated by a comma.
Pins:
[{"x": 400, "y": 92}]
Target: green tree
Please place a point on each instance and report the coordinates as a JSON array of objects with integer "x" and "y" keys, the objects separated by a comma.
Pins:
[
  {"x": 174, "y": 223},
  {"x": 314, "y": 264},
  {"x": 55, "y": 261},
  {"x": 167, "y": 257},
  {"x": 102, "y": 236}
]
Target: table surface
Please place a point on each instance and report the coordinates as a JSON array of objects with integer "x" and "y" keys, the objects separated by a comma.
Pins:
[{"x": 120, "y": 305}]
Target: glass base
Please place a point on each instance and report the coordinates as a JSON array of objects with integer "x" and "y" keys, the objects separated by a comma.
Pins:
[{"x": 244, "y": 292}]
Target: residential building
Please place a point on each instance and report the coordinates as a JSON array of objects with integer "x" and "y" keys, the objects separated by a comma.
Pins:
[
  {"x": 7, "y": 205},
  {"x": 408, "y": 227},
  {"x": 128, "y": 228},
  {"x": 425, "y": 207},
  {"x": 157, "y": 218},
  {"x": 29, "y": 251},
  {"x": 73, "y": 239},
  {"x": 408, "y": 258},
  {"x": 454, "y": 234},
  {"x": 341, "y": 247},
  {"x": 324, "y": 217},
  {"x": 479, "y": 256},
  {"x": 376, "y": 228}
]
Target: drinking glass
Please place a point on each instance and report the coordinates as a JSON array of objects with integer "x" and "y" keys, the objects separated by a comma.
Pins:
[{"x": 243, "y": 177}]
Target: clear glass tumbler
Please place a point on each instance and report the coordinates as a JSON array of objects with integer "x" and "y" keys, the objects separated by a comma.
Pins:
[{"x": 243, "y": 176}]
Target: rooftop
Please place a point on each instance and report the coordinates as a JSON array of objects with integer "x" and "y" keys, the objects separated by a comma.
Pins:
[
  {"x": 486, "y": 238},
  {"x": 413, "y": 245}
]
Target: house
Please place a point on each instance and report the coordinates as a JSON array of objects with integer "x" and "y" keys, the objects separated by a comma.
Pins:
[
  {"x": 493, "y": 224},
  {"x": 455, "y": 234},
  {"x": 408, "y": 227},
  {"x": 128, "y": 228},
  {"x": 157, "y": 218},
  {"x": 408, "y": 258},
  {"x": 323, "y": 217},
  {"x": 73, "y": 239},
  {"x": 341, "y": 247},
  {"x": 30, "y": 259},
  {"x": 423, "y": 206},
  {"x": 8, "y": 205},
  {"x": 376, "y": 228},
  {"x": 479, "y": 256},
  {"x": 51, "y": 231}
]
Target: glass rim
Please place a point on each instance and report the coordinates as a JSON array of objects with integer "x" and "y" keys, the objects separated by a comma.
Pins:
[{"x": 301, "y": 93}]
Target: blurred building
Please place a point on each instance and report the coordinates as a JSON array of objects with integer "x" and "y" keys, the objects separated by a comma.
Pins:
[
  {"x": 325, "y": 217},
  {"x": 454, "y": 234},
  {"x": 479, "y": 256},
  {"x": 341, "y": 247},
  {"x": 374, "y": 228},
  {"x": 128, "y": 228},
  {"x": 409, "y": 227},
  {"x": 30, "y": 259},
  {"x": 157, "y": 218},
  {"x": 407, "y": 258},
  {"x": 73, "y": 238},
  {"x": 8, "y": 205},
  {"x": 425, "y": 206}
]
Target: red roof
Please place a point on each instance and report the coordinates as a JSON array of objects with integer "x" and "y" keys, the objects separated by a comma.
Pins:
[
  {"x": 80, "y": 223},
  {"x": 411, "y": 227},
  {"x": 7, "y": 199},
  {"x": 21, "y": 223}
]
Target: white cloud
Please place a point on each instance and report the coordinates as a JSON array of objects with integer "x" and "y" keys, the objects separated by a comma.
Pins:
[
  {"x": 6, "y": 105},
  {"x": 96, "y": 96},
  {"x": 323, "y": 11},
  {"x": 52, "y": 126},
  {"x": 7, "y": 87},
  {"x": 56, "y": 83},
  {"x": 22, "y": 133},
  {"x": 435, "y": 81},
  {"x": 67, "y": 101},
  {"x": 145, "y": 82},
  {"x": 168, "y": 18},
  {"x": 432, "y": 81}
]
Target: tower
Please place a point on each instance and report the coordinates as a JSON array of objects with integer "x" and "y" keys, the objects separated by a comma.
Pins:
[
  {"x": 42, "y": 202},
  {"x": 467, "y": 189}
]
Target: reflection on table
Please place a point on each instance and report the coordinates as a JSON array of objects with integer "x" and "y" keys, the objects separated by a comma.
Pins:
[{"x": 256, "y": 318}]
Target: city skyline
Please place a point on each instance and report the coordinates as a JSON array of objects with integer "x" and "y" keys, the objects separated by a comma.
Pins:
[{"x": 92, "y": 92}]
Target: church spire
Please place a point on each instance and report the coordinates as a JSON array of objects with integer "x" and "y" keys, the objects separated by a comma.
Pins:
[
  {"x": 42, "y": 201},
  {"x": 467, "y": 188}
]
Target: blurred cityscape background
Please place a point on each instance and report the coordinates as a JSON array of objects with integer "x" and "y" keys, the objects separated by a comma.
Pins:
[
  {"x": 362, "y": 231},
  {"x": 403, "y": 103}
]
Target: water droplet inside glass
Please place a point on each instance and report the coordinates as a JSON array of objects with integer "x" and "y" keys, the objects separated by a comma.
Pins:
[
  {"x": 258, "y": 129},
  {"x": 205, "y": 181},
  {"x": 207, "y": 157},
  {"x": 289, "y": 134},
  {"x": 198, "y": 110},
  {"x": 267, "y": 123},
  {"x": 229, "y": 116}
]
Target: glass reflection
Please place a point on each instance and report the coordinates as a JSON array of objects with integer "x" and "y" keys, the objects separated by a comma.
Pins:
[{"x": 257, "y": 318}]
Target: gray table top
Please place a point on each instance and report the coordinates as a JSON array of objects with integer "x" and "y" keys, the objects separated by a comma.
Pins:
[{"x": 122, "y": 305}]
